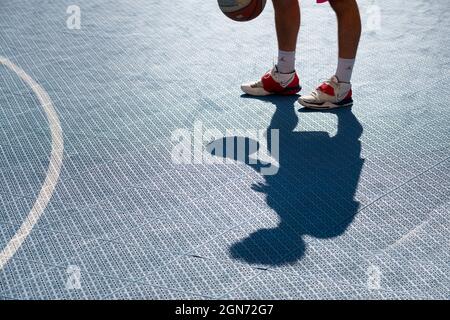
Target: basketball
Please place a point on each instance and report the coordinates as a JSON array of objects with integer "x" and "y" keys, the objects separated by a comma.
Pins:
[{"x": 242, "y": 10}]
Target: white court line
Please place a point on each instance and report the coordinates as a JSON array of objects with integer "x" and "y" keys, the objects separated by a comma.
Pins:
[{"x": 53, "y": 171}]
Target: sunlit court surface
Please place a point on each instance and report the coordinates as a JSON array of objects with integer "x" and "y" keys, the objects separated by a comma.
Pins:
[{"x": 132, "y": 166}]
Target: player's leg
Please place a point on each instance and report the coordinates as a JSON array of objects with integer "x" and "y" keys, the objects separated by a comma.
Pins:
[
  {"x": 287, "y": 23},
  {"x": 337, "y": 92},
  {"x": 282, "y": 79},
  {"x": 349, "y": 33}
]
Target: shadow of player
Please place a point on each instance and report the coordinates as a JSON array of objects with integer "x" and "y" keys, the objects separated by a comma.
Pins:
[{"x": 313, "y": 189}]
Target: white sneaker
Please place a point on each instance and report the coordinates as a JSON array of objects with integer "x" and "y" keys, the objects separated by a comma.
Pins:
[
  {"x": 273, "y": 82},
  {"x": 330, "y": 94}
]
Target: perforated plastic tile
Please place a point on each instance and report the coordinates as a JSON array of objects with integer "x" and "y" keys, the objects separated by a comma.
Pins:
[
  {"x": 92, "y": 222},
  {"x": 14, "y": 209},
  {"x": 358, "y": 191},
  {"x": 214, "y": 214},
  {"x": 144, "y": 201},
  {"x": 52, "y": 247},
  {"x": 56, "y": 284},
  {"x": 274, "y": 285},
  {"x": 386, "y": 223},
  {"x": 124, "y": 174},
  {"x": 169, "y": 235},
  {"x": 6, "y": 233},
  {"x": 124, "y": 261},
  {"x": 20, "y": 182},
  {"x": 82, "y": 193},
  {"x": 202, "y": 276},
  {"x": 417, "y": 262},
  {"x": 425, "y": 243},
  {"x": 76, "y": 164},
  {"x": 145, "y": 292},
  {"x": 17, "y": 272},
  {"x": 258, "y": 241}
]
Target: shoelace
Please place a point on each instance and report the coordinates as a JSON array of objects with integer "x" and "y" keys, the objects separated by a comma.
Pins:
[{"x": 259, "y": 84}]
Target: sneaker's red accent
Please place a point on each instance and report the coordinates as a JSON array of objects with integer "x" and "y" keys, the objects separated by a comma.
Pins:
[
  {"x": 325, "y": 88},
  {"x": 272, "y": 86},
  {"x": 329, "y": 90},
  {"x": 349, "y": 95}
]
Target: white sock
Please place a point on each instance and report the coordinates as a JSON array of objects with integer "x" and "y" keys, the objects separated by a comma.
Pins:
[
  {"x": 345, "y": 69},
  {"x": 286, "y": 61}
]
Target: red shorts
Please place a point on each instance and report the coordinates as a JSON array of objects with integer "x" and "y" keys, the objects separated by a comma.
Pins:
[{"x": 321, "y": 1}]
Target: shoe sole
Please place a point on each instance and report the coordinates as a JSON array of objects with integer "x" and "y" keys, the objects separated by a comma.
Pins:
[
  {"x": 327, "y": 105},
  {"x": 286, "y": 92},
  {"x": 290, "y": 91}
]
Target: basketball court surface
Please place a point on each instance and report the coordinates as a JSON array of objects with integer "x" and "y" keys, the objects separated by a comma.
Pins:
[{"x": 93, "y": 206}]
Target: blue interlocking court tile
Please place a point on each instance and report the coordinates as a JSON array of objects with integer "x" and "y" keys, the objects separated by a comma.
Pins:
[{"x": 358, "y": 207}]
